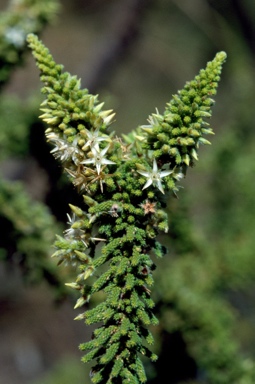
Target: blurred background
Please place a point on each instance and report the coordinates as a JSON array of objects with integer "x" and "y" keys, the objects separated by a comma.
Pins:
[{"x": 135, "y": 54}]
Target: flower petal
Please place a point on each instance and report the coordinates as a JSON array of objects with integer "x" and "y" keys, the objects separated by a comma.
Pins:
[
  {"x": 165, "y": 173},
  {"x": 160, "y": 187},
  {"x": 143, "y": 173},
  {"x": 147, "y": 184}
]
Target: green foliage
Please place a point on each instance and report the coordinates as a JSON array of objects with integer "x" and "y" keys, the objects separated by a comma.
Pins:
[
  {"x": 123, "y": 181},
  {"x": 192, "y": 304},
  {"x": 27, "y": 232},
  {"x": 234, "y": 207},
  {"x": 22, "y": 17},
  {"x": 27, "y": 227},
  {"x": 16, "y": 120}
]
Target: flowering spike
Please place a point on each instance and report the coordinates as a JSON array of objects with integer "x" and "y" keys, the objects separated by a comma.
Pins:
[
  {"x": 126, "y": 214},
  {"x": 182, "y": 123}
]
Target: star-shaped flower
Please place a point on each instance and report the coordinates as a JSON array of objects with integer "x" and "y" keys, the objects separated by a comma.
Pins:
[
  {"x": 63, "y": 150},
  {"x": 93, "y": 138},
  {"x": 154, "y": 177},
  {"x": 148, "y": 207},
  {"x": 73, "y": 233},
  {"x": 98, "y": 158}
]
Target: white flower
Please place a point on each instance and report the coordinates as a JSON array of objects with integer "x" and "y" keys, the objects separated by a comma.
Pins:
[
  {"x": 64, "y": 150},
  {"x": 93, "y": 138},
  {"x": 72, "y": 233},
  {"x": 154, "y": 176},
  {"x": 98, "y": 158}
]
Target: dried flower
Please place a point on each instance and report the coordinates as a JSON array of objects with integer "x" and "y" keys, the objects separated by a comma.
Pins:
[
  {"x": 148, "y": 207},
  {"x": 114, "y": 210},
  {"x": 80, "y": 180}
]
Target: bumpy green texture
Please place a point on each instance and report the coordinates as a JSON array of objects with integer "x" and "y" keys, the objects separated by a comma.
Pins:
[
  {"x": 123, "y": 182},
  {"x": 21, "y": 17},
  {"x": 18, "y": 115},
  {"x": 27, "y": 231}
]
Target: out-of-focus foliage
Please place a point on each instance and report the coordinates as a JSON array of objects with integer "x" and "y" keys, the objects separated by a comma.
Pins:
[
  {"x": 16, "y": 119},
  {"x": 27, "y": 227},
  {"x": 21, "y": 18},
  {"x": 64, "y": 372}
]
